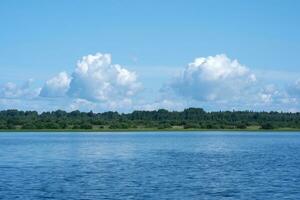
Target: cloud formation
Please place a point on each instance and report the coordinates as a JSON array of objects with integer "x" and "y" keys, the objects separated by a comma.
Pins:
[
  {"x": 13, "y": 91},
  {"x": 269, "y": 93},
  {"x": 213, "y": 78},
  {"x": 96, "y": 83},
  {"x": 169, "y": 104},
  {"x": 214, "y": 83},
  {"x": 97, "y": 79},
  {"x": 56, "y": 86}
]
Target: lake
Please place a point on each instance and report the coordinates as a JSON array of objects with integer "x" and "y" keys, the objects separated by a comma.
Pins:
[{"x": 150, "y": 165}]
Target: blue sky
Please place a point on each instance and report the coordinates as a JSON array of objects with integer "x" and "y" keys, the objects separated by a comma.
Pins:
[{"x": 154, "y": 41}]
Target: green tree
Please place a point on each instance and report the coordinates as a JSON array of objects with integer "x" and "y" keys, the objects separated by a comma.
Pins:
[{"x": 267, "y": 126}]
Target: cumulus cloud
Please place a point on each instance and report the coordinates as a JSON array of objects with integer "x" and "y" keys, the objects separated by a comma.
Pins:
[
  {"x": 213, "y": 78},
  {"x": 214, "y": 82},
  {"x": 168, "y": 104},
  {"x": 56, "y": 86},
  {"x": 81, "y": 104},
  {"x": 13, "y": 91},
  {"x": 124, "y": 105},
  {"x": 269, "y": 93},
  {"x": 272, "y": 97},
  {"x": 96, "y": 83},
  {"x": 97, "y": 79}
]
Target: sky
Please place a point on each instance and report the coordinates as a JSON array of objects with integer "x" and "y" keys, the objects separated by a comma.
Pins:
[{"x": 126, "y": 55}]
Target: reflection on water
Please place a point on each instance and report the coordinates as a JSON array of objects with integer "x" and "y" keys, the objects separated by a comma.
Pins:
[{"x": 204, "y": 165}]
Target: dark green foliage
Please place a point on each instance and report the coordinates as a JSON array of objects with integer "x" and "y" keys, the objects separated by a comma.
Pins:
[
  {"x": 63, "y": 125},
  {"x": 120, "y": 125},
  {"x": 86, "y": 126},
  {"x": 191, "y": 126},
  {"x": 28, "y": 126},
  {"x": 267, "y": 126},
  {"x": 241, "y": 126},
  {"x": 191, "y": 118},
  {"x": 164, "y": 125},
  {"x": 51, "y": 125},
  {"x": 76, "y": 127}
]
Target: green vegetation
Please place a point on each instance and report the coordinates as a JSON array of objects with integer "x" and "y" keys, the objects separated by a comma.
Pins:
[{"x": 189, "y": 119}]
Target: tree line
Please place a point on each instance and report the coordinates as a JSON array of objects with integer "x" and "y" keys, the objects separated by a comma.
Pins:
[{"x": 191, "y": 118}]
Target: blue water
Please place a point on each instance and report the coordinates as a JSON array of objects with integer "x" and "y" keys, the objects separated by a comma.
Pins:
[{"x": 183, "y": 165}]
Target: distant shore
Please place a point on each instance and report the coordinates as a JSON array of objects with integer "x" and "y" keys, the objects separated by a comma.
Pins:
[
  {"x": 190, "y": 119},
  {"x": 151, "y": 130}
]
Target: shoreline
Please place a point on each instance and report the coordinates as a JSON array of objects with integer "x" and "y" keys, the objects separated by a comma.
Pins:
[{"x": 148, "y": 130}]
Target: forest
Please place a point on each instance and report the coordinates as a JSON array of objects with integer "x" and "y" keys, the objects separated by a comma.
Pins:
[{"x": 188, "y": 119}]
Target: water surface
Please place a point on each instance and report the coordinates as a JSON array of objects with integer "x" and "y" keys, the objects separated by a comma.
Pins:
[{"x": 158, "y": 165}]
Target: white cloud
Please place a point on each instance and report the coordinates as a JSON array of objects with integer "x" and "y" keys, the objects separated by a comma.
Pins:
[
  {"x": 164, "y": 103},
  {"x": 95, "y": 84},
  {"x": 214, "y": 83},
  {"x": 13, "y": 91},
  {"x": 56, "y": 86},
  {"x": 213, "y": 78},
  {"x": 81, "y": 104},
  {"x": 97, "y": 79},
  {"x": 268, "y": 94},
  {"x": 272, "y": 97},
  {"x": 124, "y": 105}
]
